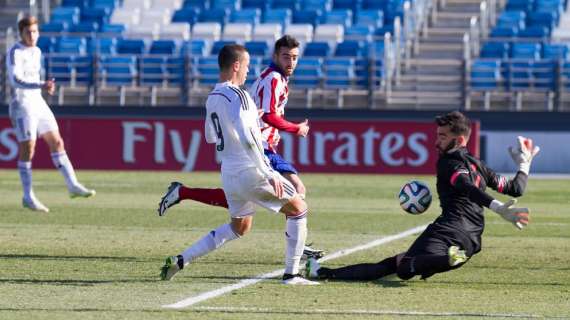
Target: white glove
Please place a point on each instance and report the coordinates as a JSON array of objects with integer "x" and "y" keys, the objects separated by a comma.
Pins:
[
  {"x": 523, "y": 155},
  {"x": 517, "y": 216}
]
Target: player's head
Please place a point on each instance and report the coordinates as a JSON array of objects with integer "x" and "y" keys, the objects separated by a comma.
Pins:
[
  {"x": 286, "y": 54},
  {"x": 29, "y": 32},
  {"x": 233, "y": 61},
  {"x": 453, "y": 130}
]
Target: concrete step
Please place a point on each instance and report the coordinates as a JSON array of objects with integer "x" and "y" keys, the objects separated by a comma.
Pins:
[
  {"x": 428, "y": 44},
  {"x": 462, "y": 15},
  {"x": 449, "y": 32},
  {"x": 436, "y": 62},
  {"x": 443, "y": 79},
  {"x": 433, "y": 95}
]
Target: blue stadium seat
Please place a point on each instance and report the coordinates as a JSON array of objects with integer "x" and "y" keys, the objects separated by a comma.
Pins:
[
  {"x": 544, "y": 73},
  {"x": 535, "y": 32},
  {"x": 259, "y": 4},
  {"x": 85, "y": 27},
  {"x": 497, "y": 49},
  {"x": 504, "y": 32},
  {"x": 75, "y": 3},
  {"x": 307, "y": 16},
  {"x": 69, "y": 15},
  {"x": 152, "y": 71},
  {"x": 554, "y": 51},
  {"x": 361, "y": 33},
  {"x": 317, "y": 49},
  {"x": 106, "y": 4},
  {"x": 353, "y": 5},
  {"x": 512, "y": 19},
  {"x": 162, "y": 47},
  {"x": 308, "y": 74},
  {"x": 175, "y": 70},
  {"x": 292, "y": 5},
  {"x": 218, "y": 15},
  {"x": 257, "y": 48},
  {"x": 54, "y": 27},
  {"x": 387, "y": 28},
  {"x": 254, "y": 70},
  {"x": 196, "y": 47},
  {"x": 75, "y": 45},
  {"x": 350, "y": 48},
  {"x": 232, "y": 5},
  {"x": 525, "y": 50},
  {"x": 376, "y": 49},
  {"x": 117, "y": 29},
  {"x": 98, "y": 15},
  {"x": 518, "y": 74},
  {"x": 543, "y": 19},
  {"x": 207, "y": 70},
  {"x": 131, "y": 46},
  {"x": 247, "y": 15},
  {"x": 339, "y": 73},
  {"x": 322, "y": 5},
  {"x": 103, "y": 45},
  {"x": 281, "y": 16},
  {"x": 118, "y": 70},
  {"x": 59, "y": 68},
  {"x": 218, "y": 45},
  {"x": 186, "y": 14},
  {"x": 83, "y": 66},
  {"x": 200, "y": 4},
  {"x": 485, "y": 75},
  {"x": 361, "y": 73},
  {"x": 338, "y": 16},
  {"x": 374, "y": 18},
  {"x": 519, "y": 5}
]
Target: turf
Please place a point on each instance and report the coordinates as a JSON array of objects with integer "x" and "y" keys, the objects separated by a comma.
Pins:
[{"x": 99, "y": 258}]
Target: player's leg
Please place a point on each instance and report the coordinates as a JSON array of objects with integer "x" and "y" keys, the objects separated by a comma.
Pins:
[
  {"x": 356, "y": 272},
  {"x": 177, "y": 192},
  {"x": 297, "y": 183},
  {"x": 63, "y": 164}
]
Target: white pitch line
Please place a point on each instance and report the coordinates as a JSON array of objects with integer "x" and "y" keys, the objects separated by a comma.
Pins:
[
  {"x": 367, "y": 312},
  {"x": 247, "y": 282}
]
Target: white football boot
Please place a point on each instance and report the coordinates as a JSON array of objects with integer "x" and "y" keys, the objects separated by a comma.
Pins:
[
  {"x": 34, "y": 204},
  {"x": 312, "y": 267},
  {"x": 79, "y": 191},
  {"x": 298, "y": 280},
  {"x": 171, "y": 198}
]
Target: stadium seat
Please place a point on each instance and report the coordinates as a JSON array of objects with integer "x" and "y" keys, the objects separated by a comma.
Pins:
[
  {"x": 519, "y": 5},
  {"x": 307, "y": 16},
  {"x": 331, "y": 33},
  {"x": 353, "y": 5},
  {"x": 74, "y": 45},
  {"x": 316, "y": 49},
  {"x": 151, "y": 70},
  {"x": 102, "y": 46},
  {"x": 322, "y": 5},
  {"x": 131, "y": 46},
  {"x": 338, "y": 72},
  {"x": 360, "y": 33},
  {"x": 555, "y": 51},
  {"x": 497, "y": 49},
  {"x": 75, "y": 3},
  {"x": 308, "y": 74},
  {"x": 374, "y": 18},
  {"x": 268, "y": 32},
  {"x": 280, "y": 16},
  {"x": 350, "y": 48},
  {"x": 259, "y": 4},
  {"x": 544, "y": 74},
  {"x": 504, "y": 32},
  {"x": 99, "y": 15},
  {"x": 188, "y": 15},
  {"x": 84, "y": 27},
  {"x": 54, "y": 27},
  {"x": 196, "y": 47},
  {"x": 238, "y": 32},
  {"x": 302, "y": 32},
  {"x": 218, "y": 45},
  {"x": 175, "y": 31},
  {"x": 485, "y": 75},
  {"x": 117, "y": 29},
  {"x": 257, "y": 48},
  {"x": 338, "y": 16},
  {"x": 207, "y": 70},
  {"x": 217, "y": 15},
  {"x": 209, "y": 31},
  {"x": 286, "y": 4},
  {"x": 246, "y": 15},
  {"x": 512, "y": 19},
  {"x": 535, "y": 32},
  {"x": 232, "y": 5},
  {"x": 129, "y": 18},
  {"x": 118, "y": 70},
  {"x": 525, "y": 50},
  {"x": 163, "y": 47},
  {"x": 68, "y": 15}
]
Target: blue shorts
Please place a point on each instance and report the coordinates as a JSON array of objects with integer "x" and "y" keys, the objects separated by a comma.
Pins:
[{"x": 278, "y": 163}]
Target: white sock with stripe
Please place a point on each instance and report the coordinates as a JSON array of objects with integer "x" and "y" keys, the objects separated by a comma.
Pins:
[
  {"x": 62, "y": 163},
  {"x": 210, "y": 242},
  {"x": 25, "y": 171},
  {"x": 295, "y": 236}
]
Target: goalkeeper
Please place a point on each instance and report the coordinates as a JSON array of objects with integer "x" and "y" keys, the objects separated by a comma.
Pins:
[{"x": 455, "y": 236}]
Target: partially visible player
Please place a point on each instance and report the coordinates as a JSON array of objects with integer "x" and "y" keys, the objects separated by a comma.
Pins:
[
  {"x": 247, "y": 179},
  {"x": 31, "y": 117},
  {"x": 455, "y": 236}
]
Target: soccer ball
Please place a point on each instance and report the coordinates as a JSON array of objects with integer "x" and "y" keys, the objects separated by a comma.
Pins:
[{"x": 415, "y": 197}]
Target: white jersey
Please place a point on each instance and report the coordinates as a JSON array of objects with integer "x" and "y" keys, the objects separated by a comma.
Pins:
[
  {"x": 232, "y": 124},
  {"x": 24, "y": 66}
]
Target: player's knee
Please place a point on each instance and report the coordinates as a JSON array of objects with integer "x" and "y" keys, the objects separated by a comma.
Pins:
[
  {"x": 405, "y": 269},
  {"x": 241, "y": 227},
  {"x": 295, "y": 208}
]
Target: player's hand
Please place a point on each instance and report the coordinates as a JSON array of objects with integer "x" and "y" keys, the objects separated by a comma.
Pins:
[
  {"x": 49, "y": 85},
  {"x": 303, "y": 128},
  {"x": 517, "y": 216},
  {"x": 523, "y": 154},
  {"x": 277, "y": 186}
]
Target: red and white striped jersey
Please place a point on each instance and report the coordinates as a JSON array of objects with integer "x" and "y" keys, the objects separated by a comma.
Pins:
[{"x": 270, "y": 93}]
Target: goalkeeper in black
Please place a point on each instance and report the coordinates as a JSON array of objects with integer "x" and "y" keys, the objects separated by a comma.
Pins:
[{"x": 455, "y": 236}]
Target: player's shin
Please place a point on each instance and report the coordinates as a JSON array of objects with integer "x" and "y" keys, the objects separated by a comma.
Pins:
[
  {"x": 295, "y": 236},
  {"x": 25, "y": 171},
  {"x": 210, "y": 242},
  {"x": 62, "y": 163}
]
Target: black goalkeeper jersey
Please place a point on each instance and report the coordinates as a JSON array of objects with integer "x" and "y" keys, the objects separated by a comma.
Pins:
[{"x": 461, "y": 183}]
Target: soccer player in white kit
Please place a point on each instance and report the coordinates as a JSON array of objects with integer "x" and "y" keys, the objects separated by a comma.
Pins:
[
  {"x": 31, "y": 116},
  {"x": 247, "y": 178}
]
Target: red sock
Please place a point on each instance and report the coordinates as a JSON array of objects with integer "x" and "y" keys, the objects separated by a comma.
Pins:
[{"x": 213, "y": 197}]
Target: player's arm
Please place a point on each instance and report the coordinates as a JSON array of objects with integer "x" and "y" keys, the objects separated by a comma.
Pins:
[
  {"x": 514, "y": 187},
  {"x": 15, "y": 65},
  {"x": 270, "y": 93},
  {"x": 461, "y": 181}
]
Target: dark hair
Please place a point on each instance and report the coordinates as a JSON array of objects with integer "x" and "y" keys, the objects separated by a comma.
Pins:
[
  {"x": 229, "y": 54},
  {"x": 285, "y": 41},
  {"x": 458, "y": 123},
  {"x": 26, "y": 22}
]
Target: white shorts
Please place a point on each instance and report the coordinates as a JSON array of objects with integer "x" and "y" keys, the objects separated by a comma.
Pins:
[
  {"x": 31, "y": 119},
  {"x": 246, "y": 188}
]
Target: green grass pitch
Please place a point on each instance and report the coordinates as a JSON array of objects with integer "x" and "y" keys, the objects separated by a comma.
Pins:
[{"x": 99, "y": 258}]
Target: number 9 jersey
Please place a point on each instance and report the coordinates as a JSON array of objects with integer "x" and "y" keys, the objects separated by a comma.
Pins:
[{"x": 232, "y": 123}]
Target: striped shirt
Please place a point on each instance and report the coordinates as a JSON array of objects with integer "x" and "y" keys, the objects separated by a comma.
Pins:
[{"x": 270, "y": 93}]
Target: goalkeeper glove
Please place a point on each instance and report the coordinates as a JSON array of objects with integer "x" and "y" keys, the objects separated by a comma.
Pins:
[
  {"x": 523, "y": 155},
  {"x": 517, "y": 216}
]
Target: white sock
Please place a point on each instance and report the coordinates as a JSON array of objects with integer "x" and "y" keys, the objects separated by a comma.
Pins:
[
  {"x": 62, "y": 163},
  {"x": 295, "y": 236},
  {"x": 210, "y": 242},
  {"x": 25, "y": 170}
]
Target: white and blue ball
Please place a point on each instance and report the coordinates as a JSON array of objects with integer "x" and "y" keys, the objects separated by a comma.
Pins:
[{"x": 415, "y": 197}]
